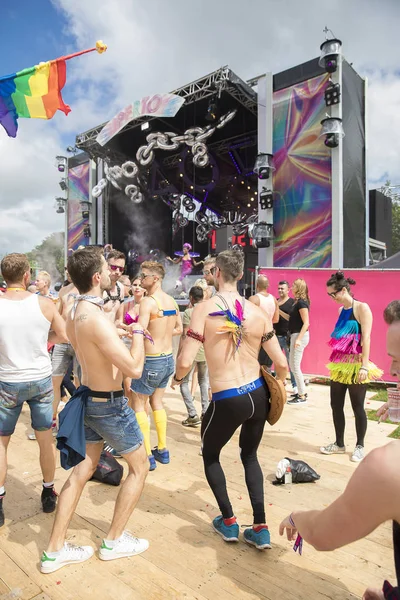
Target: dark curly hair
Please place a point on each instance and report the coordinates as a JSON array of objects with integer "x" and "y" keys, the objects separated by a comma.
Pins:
[{"x": 339, "y": 281}]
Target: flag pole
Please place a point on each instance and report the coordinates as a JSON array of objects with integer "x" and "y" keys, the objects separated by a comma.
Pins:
[{"x": 100, "y": 47}]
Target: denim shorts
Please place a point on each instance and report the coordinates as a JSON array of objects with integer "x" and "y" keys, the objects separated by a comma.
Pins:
[
  {"x": 63, "y": 355},
  {"x": 39, "y": 396},
  {"x": 156, "y": 373},
  {"x": 112, "y": 420}
]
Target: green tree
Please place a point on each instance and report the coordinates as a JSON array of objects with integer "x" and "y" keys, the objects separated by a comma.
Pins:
[
  {"x": 395, "y": 226},
  {"x": 49, "y": 256}
]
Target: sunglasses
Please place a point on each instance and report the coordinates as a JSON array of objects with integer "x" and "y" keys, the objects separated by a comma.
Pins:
[
  {"x": 143, "y": 276},
  {"x": 212, "y": 270},
  {"x": 116, "y": 268},
  {"x": 332, "y": 294}
]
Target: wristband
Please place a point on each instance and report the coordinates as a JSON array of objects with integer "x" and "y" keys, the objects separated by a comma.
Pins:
[
  {"x": 291, "y": 521},
  {"x": 364, "y": 369},
  {"x": 145, "y": 335},
  {"x": 178, "y": 380}
]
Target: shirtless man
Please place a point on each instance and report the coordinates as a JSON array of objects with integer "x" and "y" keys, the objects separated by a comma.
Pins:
[
  {"x": 114, "y": 297},
  {"x": 103, "y": 357},
  {"x": 239, "y": 393},
  {"x": 63, "y": 354},
  {"x": 269, "y": 305},
  {"x": 159, "y": 314}
]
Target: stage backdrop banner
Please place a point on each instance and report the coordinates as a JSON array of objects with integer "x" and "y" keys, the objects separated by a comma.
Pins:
[
  {"x": 377, "y": 288},
  {"x": 78, "y": 191},
  {"x": 302, "y": 177}
]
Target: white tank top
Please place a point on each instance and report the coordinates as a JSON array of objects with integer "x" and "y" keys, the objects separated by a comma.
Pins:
[
  {"x": 23, "y": 341},
  {"x": 267, "y": 303}
]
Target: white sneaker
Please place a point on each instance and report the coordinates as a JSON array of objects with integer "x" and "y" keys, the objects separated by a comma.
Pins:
[
  {"x": 68, "y": 555},
  {"x": 358, "y": 454},
  {"x": 32, "y": 436},
  {"x": 333, "y": 449},
  {"x": 127, "y": 545}
]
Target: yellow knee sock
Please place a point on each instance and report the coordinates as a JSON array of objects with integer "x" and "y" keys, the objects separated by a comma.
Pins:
[
  {"x": 160, "y": 421},
  {"x": 145, "y": 428}
]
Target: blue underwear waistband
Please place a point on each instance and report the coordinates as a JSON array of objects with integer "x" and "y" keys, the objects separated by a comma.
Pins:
[{"x": 244, "y": 389}]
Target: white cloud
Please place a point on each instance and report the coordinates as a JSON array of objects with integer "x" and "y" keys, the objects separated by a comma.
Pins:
[{"x": 163, "y": 45}]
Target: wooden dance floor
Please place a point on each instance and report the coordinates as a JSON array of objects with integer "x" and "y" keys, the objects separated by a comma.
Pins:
[{"x": 186, "y": 559}]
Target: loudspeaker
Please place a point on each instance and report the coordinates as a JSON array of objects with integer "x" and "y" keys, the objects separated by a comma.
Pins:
[
  {"x": 223, "y": 238},
  {"x": 380, "y": 219}
]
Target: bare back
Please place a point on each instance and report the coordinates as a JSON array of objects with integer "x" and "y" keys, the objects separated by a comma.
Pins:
[
  {"x": 229, "y": 368},
  {"x": 161, "y": 327},
  {"x": 67, "y": 300},
  {"x": 98, "y": 371}
]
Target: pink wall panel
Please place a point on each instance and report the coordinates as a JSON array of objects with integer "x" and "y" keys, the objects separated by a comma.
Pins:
[{"x": 377, "y": 288}]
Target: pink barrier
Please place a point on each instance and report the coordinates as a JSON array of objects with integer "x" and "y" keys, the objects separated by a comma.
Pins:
[{"x": 377, "y": 288}]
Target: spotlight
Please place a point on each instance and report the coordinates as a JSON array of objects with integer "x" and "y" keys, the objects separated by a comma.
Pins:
[
  {"x": 212, "y": 110},
  {"x": 332, "y": 129},
  {"x": 145, "y": 126},
  {"x": 266, "y": 200},
  {"x": 332, "y": 94},
  {"x": 61, "y": 163},
  {"x": 85, "y": 206},
  {"x": 86, "y": 232},
  {"x": 72, "y": 149},
  {"x": 60, "y": 210},
  {"x": 60, "y": 205},
  {"x": 63, "y": 185},
  {"x": 263, "y": 165},
  {"x": 330, "y": 55},
  {"x": 261, "y": 234}
]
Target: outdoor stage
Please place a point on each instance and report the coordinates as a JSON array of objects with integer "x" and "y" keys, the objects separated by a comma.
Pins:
[{"x": 186, "y": 559}]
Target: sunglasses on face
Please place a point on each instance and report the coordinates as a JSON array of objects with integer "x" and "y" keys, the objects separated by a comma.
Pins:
[
  {"x": 143, "y": 276},
  {"x": 116, "y": 268},
  {"x": 212, "y": 270},
  {"x": 332, "y": 294}
]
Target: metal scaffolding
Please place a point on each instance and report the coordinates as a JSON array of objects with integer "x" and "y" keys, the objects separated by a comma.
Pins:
[{"x": 222, "y": 79}]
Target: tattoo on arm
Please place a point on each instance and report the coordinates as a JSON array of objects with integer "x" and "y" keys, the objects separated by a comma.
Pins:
[
  {"x": 267, "y": 336},
  {"x": 82, "y": 317}
]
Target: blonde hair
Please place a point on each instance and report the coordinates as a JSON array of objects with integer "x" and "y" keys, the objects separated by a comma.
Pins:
[
  {"x": 44, "y": 275},
  {"x": 301, "y": 290},
  {"x": 154, "y": 267},
  {"x": 201, "y": 283}
]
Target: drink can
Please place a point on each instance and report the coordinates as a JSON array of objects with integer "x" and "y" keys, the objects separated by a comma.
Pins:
[{"x": 394, "y": 404}]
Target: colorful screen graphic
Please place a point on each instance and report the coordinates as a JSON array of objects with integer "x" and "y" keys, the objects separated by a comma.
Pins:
[
  {"x": 78, "y": 191},
  {"x": 302, "y": 177}
]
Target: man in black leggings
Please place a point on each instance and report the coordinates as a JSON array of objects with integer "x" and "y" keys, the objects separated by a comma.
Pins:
[{"x": 232, "y": 330}]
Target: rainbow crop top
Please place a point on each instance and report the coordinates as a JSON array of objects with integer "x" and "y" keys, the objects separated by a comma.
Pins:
[{"x": 346, "y": 356}]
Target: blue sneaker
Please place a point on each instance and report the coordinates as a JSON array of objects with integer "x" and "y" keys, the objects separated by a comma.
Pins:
[
  {"x": 161, "y": 455},
  {"x": 230, "y": 533},
  {"x": 260, "y": 539},
  {"x": 153, "y": 464}
]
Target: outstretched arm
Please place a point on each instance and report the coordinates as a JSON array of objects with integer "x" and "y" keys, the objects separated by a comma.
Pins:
[{"x": 358, "y": 511}]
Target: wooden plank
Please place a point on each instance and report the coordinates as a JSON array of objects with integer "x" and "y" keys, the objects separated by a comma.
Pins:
[{"x": 14, "y": 579}]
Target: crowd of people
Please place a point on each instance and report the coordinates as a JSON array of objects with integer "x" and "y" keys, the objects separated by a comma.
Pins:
[{"x": 116, "y": 336}]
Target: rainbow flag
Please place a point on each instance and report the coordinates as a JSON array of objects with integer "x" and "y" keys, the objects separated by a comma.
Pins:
[{"x": 33, "y": 93}]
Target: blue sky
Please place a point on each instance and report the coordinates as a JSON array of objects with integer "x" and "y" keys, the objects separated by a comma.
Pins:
[{"x": 157, "y": 46}]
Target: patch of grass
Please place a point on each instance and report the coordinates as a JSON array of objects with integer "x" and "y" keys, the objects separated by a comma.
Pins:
[
  {"x": 372, "y": 416},
  {"x": 380, "y": 396}
]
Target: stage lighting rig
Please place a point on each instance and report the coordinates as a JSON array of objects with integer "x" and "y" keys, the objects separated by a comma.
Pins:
[
  {"x": 63, "y": 185},
  {"x": 61, "y": 202},
  {"x": 262, "y": 234},
  {"x": 332, "y": 93},
  {"x": 331, "y": 54},
  {"x": 61, "y": 163},
  {"x": 72, "y": 150},
  {"x": 263, "y": 165},
  {"x": 332, "y": 129},
  {"x": 266, "y": 199},
  {"x": 85, "y": 207},
  {"x": 86, "y": 232},
  {"x": 213, "y": 109}
]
